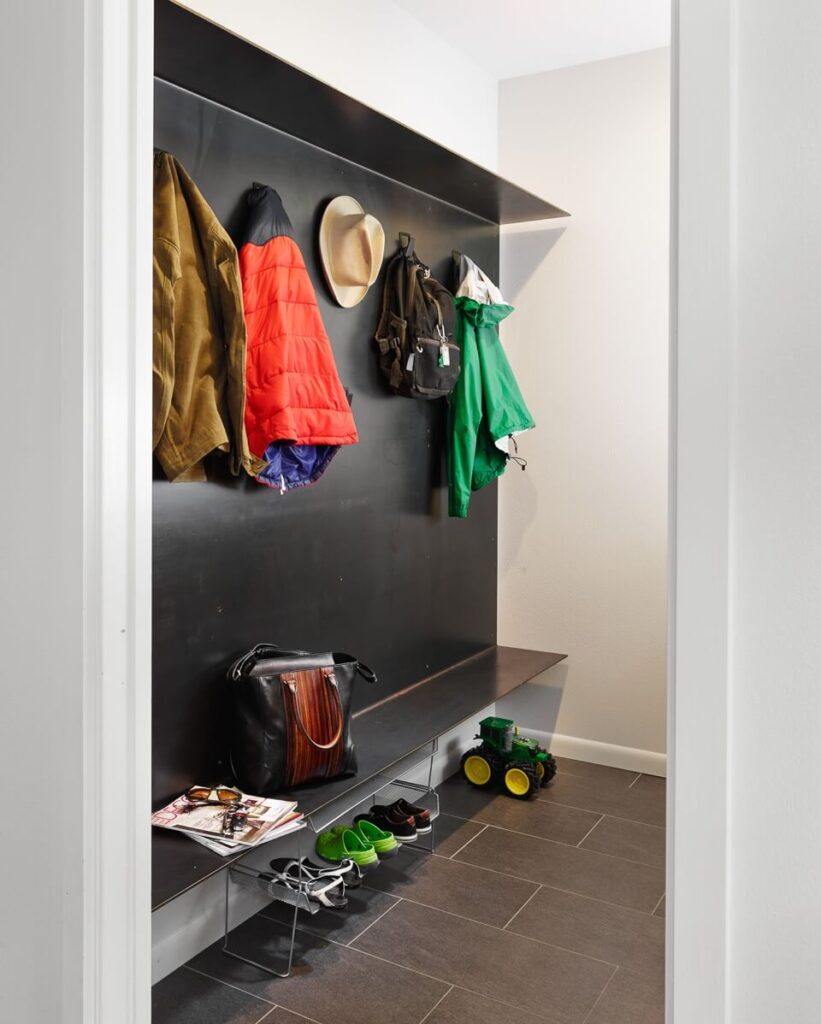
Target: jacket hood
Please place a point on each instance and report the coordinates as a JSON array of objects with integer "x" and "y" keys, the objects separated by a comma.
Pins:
[
  {"x": 474, "y": 283},
  {"x": 266, "y": 218},
  {"x": 481, "y": 313}
]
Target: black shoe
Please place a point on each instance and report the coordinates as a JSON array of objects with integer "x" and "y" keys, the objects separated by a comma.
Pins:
[
  {"x": 386, "y": 818},
  {"x": 421, "y": 816}
]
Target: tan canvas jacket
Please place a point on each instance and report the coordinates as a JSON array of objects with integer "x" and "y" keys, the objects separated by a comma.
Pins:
[{"x": 199, "y": 332}]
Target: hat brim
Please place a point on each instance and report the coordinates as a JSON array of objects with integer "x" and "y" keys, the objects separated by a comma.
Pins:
[{"x": 346, "y": 295}]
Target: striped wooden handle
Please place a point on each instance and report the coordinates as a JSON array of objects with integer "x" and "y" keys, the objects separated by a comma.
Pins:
[{"x": 290, "y": 681}]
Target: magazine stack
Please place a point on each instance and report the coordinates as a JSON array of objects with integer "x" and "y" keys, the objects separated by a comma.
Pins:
[{"x": 249, "y": 822}]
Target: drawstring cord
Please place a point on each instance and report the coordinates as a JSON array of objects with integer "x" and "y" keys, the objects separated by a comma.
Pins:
[{"x": 516, "y": 457}]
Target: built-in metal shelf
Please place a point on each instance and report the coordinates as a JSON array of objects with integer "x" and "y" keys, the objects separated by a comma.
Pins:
[{"x": 212, "y": 62}]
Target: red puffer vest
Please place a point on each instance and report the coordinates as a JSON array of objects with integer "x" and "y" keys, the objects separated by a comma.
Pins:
[{"x": 293, "y": 391}]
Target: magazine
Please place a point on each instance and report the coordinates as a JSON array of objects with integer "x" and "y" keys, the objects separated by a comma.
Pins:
[
  {"x": 225, "y": 847},
  {"x": 265, "y": 817}
]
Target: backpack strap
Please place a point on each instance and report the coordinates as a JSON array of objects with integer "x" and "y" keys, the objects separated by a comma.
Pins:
[
  {"x": 413, "y": 273},
  {"x": 399, "y": 286},
  {"x": 395, "y": 278},
  {"x": 382, "y": 334}
]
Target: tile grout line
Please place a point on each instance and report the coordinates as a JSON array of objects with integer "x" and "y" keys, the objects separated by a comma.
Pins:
[
  {"x": 481, "y": 830},
  {"x": 535, "y": 892},
  {"x": 394, "y": 963},
  {"x": 655, "y": 908},
  {"x": 464, "y": 988},
  {"x": 296, "y": 1013},
  {"x": 601, "y": 996},
  {"x": 333, "y": 942},
  {"x": 397, "y": 900},
  {"x": 499, "y": 1002},
  {"x": 402, "y": 967},
  {"x": 518, "y": 832},
  {"x": 484, "y": 924},
  {"x": 236, "y": 988},
  {"x": 459, "y": 917},
  {"x": 550, "y": 803},
  {"x": 588, "y": 810},
  {"x": 567, "y": 846},
  {"x": 571, "y": 892},
  {"x": 587, "y": 834},
  {"x": 592, "y": 778},
  {"x": 317, "y": 934},
  {"x": 438, "y": 1002},
  {"x": 634, "y": 781},
  {"x": 268, "y": 1013}
]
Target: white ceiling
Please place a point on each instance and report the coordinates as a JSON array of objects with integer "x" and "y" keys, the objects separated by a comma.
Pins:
[{"x": 523, "y": 37}]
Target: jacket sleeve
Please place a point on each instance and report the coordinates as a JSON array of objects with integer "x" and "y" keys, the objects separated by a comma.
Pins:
[
  {"x": 166, "y": 275},
  {"x": 505, "y": 407},
  {"x": 227, "y": 287},
  {"x": 464, "y": 417}
]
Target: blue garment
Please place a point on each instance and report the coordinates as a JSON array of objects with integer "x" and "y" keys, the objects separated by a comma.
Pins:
[{"x": 295, "y": 465}]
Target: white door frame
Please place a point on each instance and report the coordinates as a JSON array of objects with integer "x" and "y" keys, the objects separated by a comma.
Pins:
[
  {"x": 701, "y": 367},
  {"x": 75, "y": 545},
  {"x": 118, "y": 145}
]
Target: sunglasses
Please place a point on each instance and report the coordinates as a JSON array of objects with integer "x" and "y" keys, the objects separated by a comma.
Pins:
[
  {"x": 215, "y": 795},
  {"x": 234, "y": 820}
]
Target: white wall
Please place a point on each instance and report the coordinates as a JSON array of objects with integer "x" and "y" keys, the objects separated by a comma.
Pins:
[
  {"x": 582, "y": 560},
  {"x": 381, "y": 55},
  {"x": 41, "y": 900}
]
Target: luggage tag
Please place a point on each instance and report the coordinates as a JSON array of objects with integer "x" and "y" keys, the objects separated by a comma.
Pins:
[{"x": 409, "y": 363}]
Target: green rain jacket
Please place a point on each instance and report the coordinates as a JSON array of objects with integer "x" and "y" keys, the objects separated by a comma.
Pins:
[{"x": 485, "y": 406}]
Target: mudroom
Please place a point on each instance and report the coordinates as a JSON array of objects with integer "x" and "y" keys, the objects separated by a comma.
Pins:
[{"x": 409, "y": 524}]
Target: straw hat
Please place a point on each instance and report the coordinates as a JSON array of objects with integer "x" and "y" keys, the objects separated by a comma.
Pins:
[{"x": 351, "y": 244}]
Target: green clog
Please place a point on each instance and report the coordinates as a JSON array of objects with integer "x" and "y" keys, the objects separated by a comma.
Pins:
[
  {"x": 343, "y": 843},
  {"x": 383, "y": 842}
]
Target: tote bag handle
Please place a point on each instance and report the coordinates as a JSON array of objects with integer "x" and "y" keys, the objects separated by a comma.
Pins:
[{"x": 289, "y": 680}]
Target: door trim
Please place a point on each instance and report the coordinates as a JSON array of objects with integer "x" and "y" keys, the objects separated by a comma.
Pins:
[
  {"x": 702, "y": 340},
  {"x": 117, "y": 404}
]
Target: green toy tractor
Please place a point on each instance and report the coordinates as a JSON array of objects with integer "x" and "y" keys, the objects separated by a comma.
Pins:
[{"x": 520, "y": 764}]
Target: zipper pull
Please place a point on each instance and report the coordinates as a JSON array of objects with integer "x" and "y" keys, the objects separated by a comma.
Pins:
[{"x": 444, "y": 351}]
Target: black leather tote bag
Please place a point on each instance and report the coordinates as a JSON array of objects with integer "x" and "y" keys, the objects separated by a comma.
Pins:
[{"x": 292, "y": 717}]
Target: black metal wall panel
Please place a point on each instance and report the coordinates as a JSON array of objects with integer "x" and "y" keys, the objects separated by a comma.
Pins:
[{"x": 366, "y": 560}]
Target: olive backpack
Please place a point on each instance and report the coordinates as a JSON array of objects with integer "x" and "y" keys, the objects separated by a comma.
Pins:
[{"x": 418, "y": 355}]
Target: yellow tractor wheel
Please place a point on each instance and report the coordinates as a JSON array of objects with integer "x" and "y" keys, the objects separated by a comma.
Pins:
[
  {"x": 521, "y": 781},
  {"x": 540, "y": 772},
  {"x": 480, "y": 768}
]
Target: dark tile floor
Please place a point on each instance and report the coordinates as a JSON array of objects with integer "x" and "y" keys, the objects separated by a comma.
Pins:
[{"x": 546, "y": 912}]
